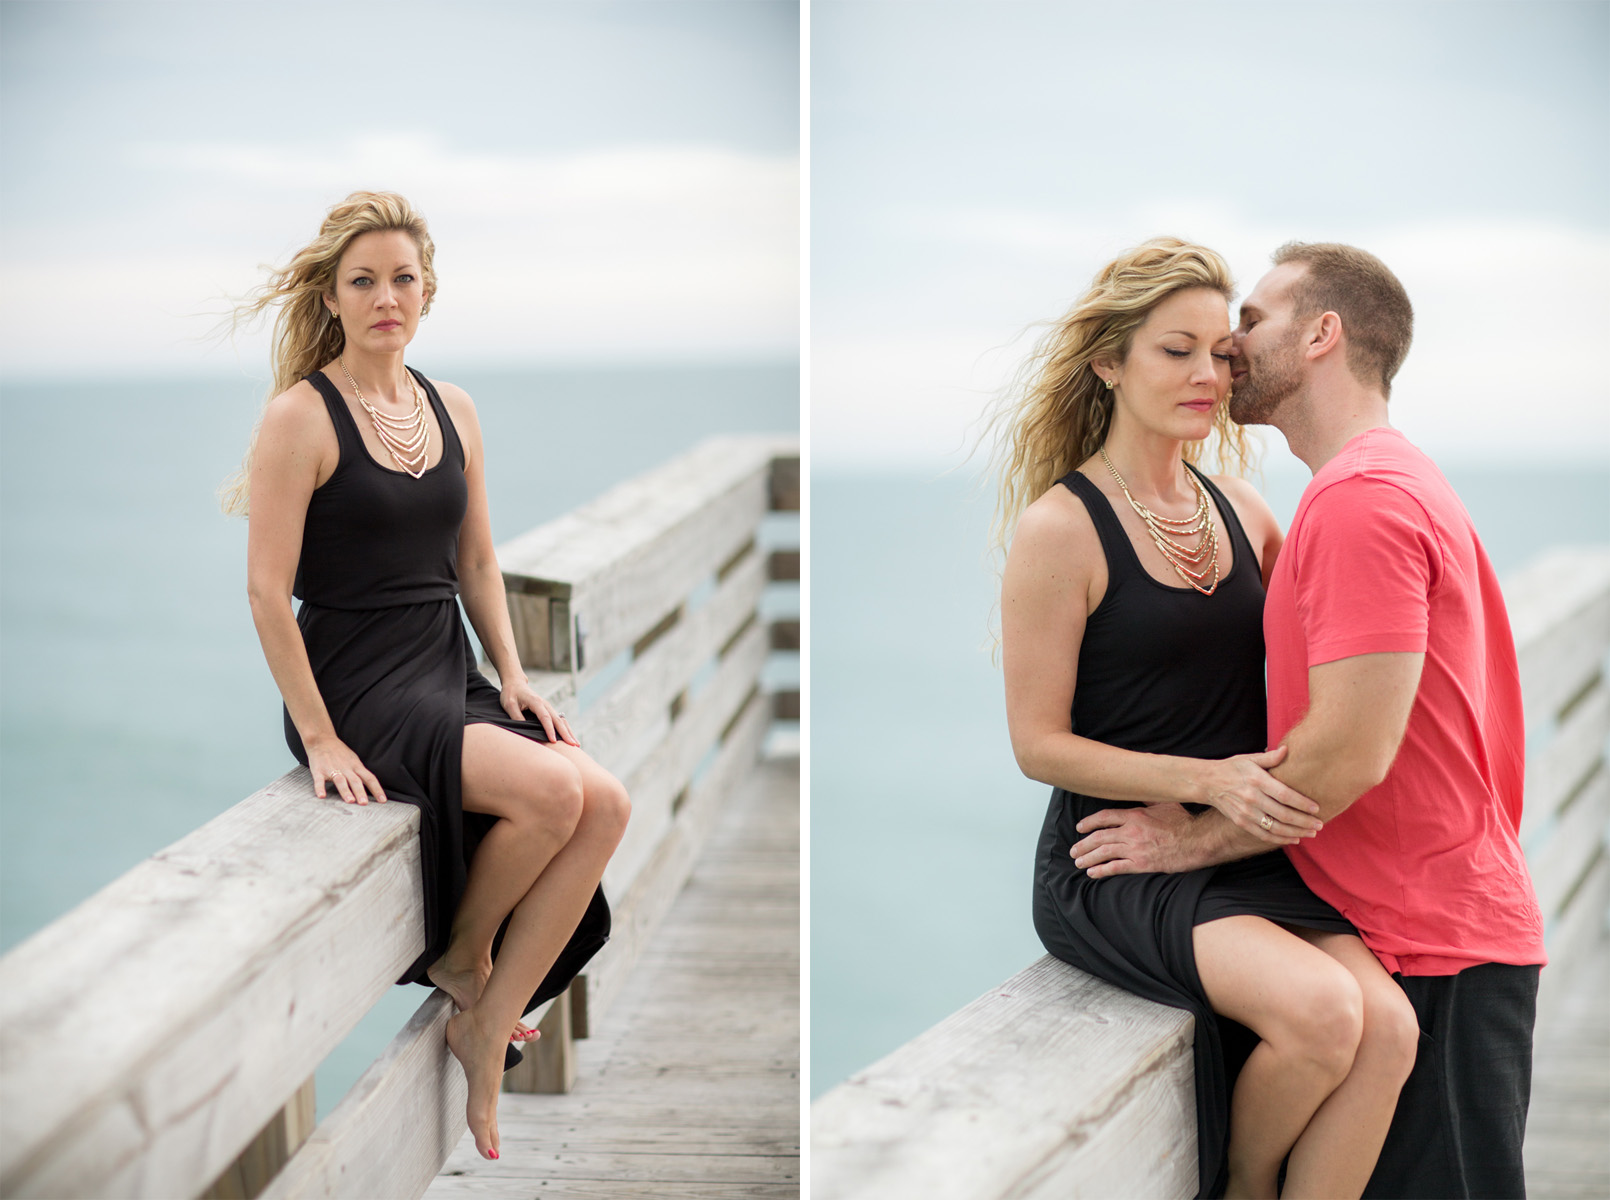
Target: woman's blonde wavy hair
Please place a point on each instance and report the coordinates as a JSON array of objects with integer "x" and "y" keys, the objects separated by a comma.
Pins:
[
  {"x": 1056, "y": 413},
  {"x": 305, "y": 338}
]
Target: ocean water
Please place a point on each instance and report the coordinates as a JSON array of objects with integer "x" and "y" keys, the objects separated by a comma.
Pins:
[
  {"x": 922, "y": 830},
  {"x": 135, "y": 704}
]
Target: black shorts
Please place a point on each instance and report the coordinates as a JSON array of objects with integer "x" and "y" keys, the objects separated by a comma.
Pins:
[{"x": 1461, "y": 1117}]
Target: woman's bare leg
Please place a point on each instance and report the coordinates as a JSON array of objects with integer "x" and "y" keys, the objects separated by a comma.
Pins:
[
  {"x": 1337, "y": 1152},
  {"x": 539, "y": 798},
  {"x": 541, "y": 920},
  {"x": 1307, "y": 1009}
]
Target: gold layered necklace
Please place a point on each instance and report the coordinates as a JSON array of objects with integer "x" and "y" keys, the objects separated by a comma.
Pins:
[
  {"x": 407, "y": 439},
  {"x": 1173, "y": 538}
]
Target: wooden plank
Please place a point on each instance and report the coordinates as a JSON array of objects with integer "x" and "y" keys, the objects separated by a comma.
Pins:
[
  {"x": 249, "y": 1174},
  {"x": 1559, "y": 610},
  {"x": 1568, "y": 1126},
  {"x": 549, "y": 1067},
  {"x": 528, "y": 617},
  {"x": 616, "y": 729},
  {"x": 596, "y": 535},
  {"x": 530, "y": 1165},
  {"x": 783, "y": 565},
  {"x": 785, "y": 483},
  {"x": 1565, "y": 760},
  {"x": 236, "y": 959},
  {"x": 653, "y": 538},
  {"x": 1572, "y": 938},
  {"x": 1054, "y": 1084},
  {"x": 599, "y": 1134},
  {"x": 416, "y": 1084},
  {"x": 558, "y": 688},
  {"x": 641, "y": 1121},
  {"x": 660, "y": 779},
  {"x": 614, "y": 1189},
  {"x": 1559, "y": 862},
  {"x": 640, "y": 910}
]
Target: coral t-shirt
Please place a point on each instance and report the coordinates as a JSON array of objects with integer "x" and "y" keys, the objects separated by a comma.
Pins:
[{"x": 1382, "y": 556}]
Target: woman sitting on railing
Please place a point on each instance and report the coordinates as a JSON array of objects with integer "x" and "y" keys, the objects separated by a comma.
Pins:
[
  {"x": 1131, "y": 624},
  {"x": 368, "y": 503}
]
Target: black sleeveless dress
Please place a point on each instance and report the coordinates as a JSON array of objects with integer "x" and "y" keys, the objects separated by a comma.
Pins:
[
  {"x": 378, "y": 582},
  {"x": 1166, "y": 670}
]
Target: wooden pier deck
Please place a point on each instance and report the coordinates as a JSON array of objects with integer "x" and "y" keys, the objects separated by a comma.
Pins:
[
  {"x": 1568, "y": 1127},
  {"x": 692, "y": 1087}
]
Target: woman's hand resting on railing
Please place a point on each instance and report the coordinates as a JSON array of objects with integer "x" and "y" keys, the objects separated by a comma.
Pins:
[
  {"x": 333, "y": 760},
  {"x": 1243, "y": 790},
  {"x": 518, "y": 698}
]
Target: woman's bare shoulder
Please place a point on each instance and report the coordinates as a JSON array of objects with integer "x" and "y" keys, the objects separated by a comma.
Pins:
[
  {"x": 1248, "y": 500},
  {"x": 1237, "y": 488},
  {"x": 1057, "y": 527},
  {"x": 298, "y": 410},
  {"x": 456, "y": 398}
]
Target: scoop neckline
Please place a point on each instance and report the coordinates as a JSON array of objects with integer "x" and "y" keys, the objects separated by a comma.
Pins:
[
  {"x": 441, "y": 421},
  {"x": 1134, "y": 553}
]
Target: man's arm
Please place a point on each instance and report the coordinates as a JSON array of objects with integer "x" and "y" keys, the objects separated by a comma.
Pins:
[{"x": 1358, "y": 712}]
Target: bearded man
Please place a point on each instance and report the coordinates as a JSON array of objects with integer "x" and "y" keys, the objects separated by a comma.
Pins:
[{"x": 1393, "y": 684}]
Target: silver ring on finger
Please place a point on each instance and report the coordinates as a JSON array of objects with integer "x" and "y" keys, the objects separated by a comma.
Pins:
[
  {"x": 1266, "y": 822},
  {"x": 337, "y": 775}
]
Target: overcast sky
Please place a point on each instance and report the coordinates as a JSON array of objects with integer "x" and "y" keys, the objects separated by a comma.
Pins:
[
  {"x": 603, "y": 181},
  {"x": 973, "y": 164}
]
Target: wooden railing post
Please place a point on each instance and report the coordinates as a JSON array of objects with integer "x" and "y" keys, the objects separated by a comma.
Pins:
[
  {"x": 549, "y": 1065},
  {"x": 271, "y": 1149}
]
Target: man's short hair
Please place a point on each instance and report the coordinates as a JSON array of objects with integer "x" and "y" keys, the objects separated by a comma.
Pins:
[{"x": 1355, "y": 285}]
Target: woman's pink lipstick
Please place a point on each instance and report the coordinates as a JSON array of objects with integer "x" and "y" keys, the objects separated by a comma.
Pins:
[
  {"x": 387, "y": 325},
  {"x": 1198, "y": 405}
]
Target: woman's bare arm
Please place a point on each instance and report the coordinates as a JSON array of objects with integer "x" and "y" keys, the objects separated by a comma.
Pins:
[{"x": 296, "y": 447}]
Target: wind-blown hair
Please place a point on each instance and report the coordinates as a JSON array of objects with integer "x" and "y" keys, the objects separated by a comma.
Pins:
[
  {"x": 1056, "y": 413},
  {"x": 305, "y": 336}
]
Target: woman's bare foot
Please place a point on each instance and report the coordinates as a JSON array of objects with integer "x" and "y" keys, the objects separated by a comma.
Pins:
[
  {"x": 465, "y": 985},
  {"x": 480, "y": 1052}
]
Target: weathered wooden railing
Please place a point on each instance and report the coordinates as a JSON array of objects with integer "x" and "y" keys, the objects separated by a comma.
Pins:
[
  {"x": 160, "y": 1039},
  {"x": 1056, "y": 1084}
]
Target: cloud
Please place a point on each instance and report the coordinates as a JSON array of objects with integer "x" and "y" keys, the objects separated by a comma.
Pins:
[
  {"x": 1509, "y": 321},
  {"x": 648, "y": 251}
]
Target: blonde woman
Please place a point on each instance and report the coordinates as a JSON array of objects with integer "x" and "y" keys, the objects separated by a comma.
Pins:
[
  {"x": 367, "y": 493},
  {"x": 1131, "y": 625}
]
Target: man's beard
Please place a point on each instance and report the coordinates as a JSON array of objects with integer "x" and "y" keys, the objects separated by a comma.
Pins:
[{"x": 1274, "y": 380}]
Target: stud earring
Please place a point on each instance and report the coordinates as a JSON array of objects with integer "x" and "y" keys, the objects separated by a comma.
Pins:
[{"x": 1109, "y": 385}]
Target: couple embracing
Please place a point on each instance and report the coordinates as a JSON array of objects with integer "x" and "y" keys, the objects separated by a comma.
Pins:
[{"x": 1326, "y": 874}]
